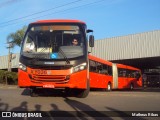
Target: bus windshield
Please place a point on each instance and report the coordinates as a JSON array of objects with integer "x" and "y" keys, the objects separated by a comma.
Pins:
[{"x": 53, "y": 42}]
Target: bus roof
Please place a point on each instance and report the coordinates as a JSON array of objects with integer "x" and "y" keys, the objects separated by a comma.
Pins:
[
  {"x": 126, "y": 67},
  {"x": 59, "y": 21},
  {"x": 91, "y": 57}
]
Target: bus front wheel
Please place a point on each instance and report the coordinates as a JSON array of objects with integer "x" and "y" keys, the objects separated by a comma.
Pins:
[
  {"x": 83, "y": 93},
  {"x": 33, "y": 92}
]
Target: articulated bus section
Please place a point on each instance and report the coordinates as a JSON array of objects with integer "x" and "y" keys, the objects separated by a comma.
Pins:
[
  {"x": 126, "y": 77},
  {"x": 107, "y": 75}
]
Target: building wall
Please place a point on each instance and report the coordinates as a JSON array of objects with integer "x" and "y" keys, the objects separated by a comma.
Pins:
[
  {"x": 4, "y": 62},
  {"x": 140, "y": 45}
]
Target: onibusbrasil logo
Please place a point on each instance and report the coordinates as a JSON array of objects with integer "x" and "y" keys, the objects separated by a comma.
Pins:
[{"x": 21, "y": 114}]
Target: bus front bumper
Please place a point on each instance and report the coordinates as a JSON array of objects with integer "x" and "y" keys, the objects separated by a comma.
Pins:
[{"x": 75, "y": 80}]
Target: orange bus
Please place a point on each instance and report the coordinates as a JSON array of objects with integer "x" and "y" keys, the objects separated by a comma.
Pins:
[
  {"x": 108, "y": 75},
  {"x": 48, "y": 58}
]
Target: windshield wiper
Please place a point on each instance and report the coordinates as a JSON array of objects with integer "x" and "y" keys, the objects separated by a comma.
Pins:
[{"x": 61, "y": 51}]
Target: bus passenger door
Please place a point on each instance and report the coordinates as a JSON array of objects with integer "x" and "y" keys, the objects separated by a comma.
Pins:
[{"x": 115, "y": 76}]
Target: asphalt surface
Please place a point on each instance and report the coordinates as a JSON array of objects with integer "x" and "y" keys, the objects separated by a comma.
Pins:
[{"x": 97, "y": 104}]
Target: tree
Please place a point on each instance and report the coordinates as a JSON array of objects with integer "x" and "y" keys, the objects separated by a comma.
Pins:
[{"x": 16, "y": 38}]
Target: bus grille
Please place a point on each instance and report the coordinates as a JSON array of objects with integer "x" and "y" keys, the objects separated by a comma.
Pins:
[{"x": 58, "y": 79}]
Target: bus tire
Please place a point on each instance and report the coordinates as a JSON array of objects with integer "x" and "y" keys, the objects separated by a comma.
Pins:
[
  {"x": 68, "y": 91},
  {"x": 33, "y": 92},
  {"x": 131, "y": 86},
  {"x": 109, "y": 87},
  {"x": 83, "y": 93}
]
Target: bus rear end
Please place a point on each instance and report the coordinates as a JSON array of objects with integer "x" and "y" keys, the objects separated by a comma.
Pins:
[{"x": 126, "y": 77}]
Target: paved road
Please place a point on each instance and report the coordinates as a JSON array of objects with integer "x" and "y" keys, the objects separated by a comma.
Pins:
[{"x": 18, "y": 99}]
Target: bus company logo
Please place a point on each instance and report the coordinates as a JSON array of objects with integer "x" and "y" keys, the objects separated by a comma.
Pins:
[
  {"x": 49, "y": 63},
  {"x": 6, "y": 114},
  {"x": 54, "y": 55}
]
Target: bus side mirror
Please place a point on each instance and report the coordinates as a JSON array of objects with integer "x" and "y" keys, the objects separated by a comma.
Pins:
[
  {"x": 91, "y": 41},
  {"x": 88, "y": 31}
]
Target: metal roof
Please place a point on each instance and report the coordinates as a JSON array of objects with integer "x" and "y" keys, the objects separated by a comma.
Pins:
[{"x": 132, "y": 46}]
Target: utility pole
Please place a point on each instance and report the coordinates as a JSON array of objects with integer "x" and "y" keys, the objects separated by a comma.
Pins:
[{"x": 9, "y": 56}]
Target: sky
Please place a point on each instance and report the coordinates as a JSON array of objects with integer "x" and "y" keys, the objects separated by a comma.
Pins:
[{"x": 108, "y": 18}]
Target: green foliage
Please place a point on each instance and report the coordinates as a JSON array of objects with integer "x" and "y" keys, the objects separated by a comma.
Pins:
[
  {"x": 17, "y": 37},
  {"x": 10, "y": 78},
  {"x": 2, "y": 73}
]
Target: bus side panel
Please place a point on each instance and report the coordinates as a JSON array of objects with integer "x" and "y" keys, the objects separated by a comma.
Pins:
[
  {"x": 125, "y": 82},
  {"x": 23, "y": 79},
  {"x": 115, "y": 76},
  {"x": 77, "y": 80},
  {"x": 99, "y": 80},
  {"x": 122, "y": 82},
  {"x": 140, "y": 82},
  {"x": 93, "y": 80},
  {"x": 105, "y": 80},
  {"x": 137, "y": 82}
]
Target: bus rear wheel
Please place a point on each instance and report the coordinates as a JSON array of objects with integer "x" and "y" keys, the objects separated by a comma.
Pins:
[
  {"x": 109, "y": 87},
  {"x": 131, "y": 86}
]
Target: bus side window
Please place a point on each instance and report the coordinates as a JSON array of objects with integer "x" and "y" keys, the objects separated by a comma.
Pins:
[
  {"x": 124, "y": 73},
  {"x": 110, "y": 70},
  {"x": 92, "y": 66},
  {"x": 121, "y": 72},
  {"x": 134, "y": 73},
  {"x": 30, "y": 45},
  {"x": 99, "y": 67},
  {"x": 105, "y": 70},
  {"x": 128, "y": 73},
  {"x": 137, "y": 75}
]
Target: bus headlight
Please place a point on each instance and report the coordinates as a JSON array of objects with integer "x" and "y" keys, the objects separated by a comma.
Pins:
[
  {"x": 79, "y": 67},
  {"x": 22, "y": 67}
]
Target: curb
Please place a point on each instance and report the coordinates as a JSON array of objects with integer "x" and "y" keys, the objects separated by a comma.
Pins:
[{"x": 8, "y": 86}]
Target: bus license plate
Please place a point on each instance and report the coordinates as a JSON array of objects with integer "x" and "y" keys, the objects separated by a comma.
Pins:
[
  {"x": 39, "y": 72},
  {"x": 48, "y": 86}
]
